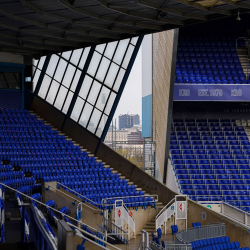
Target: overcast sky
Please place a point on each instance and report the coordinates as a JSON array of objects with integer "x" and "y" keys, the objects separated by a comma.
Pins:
[{"x": 131, "y": 99}]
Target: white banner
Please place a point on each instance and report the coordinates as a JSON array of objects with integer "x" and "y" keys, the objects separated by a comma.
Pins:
[
  {"x": 181, "y": 210},
  {"x": 119, "y": 216}
]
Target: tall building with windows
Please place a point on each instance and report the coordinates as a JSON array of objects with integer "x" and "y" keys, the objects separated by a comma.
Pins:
[{"x": 128, "y": 121}]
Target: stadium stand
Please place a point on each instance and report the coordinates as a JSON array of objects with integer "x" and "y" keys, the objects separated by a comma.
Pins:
[
  {"x": 211, "y": 160},
  {"x": 209, "y": 55},
  {"x": 38, "y": 151}
]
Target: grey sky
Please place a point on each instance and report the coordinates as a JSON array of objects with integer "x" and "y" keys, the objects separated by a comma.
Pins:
[{"x": 131, "y": 99}]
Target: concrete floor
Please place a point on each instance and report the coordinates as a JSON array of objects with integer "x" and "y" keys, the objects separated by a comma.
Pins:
[{"x": 134, "y": 243}]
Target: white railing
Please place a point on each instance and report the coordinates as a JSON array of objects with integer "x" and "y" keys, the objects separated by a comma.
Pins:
[{"x": 163, "y": 216}]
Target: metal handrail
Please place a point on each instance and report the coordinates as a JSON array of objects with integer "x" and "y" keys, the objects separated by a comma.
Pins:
[
  {"x": 93, "y": 236},
  {"x": 42, "y": 229},
  {"x": 105, "y": 199},
  {"x": 43, "y": 204},
  {"x": 178, "y": 235},
  {"x": 164, "y": 208}
]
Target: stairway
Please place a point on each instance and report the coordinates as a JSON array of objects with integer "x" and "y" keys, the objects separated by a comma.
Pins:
[
  {"x": 242, "y": 54},
  {"x": 92, "y": 155}
]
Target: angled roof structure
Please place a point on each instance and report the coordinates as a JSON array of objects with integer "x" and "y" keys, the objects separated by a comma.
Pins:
[{"x": 40, "y": 27}]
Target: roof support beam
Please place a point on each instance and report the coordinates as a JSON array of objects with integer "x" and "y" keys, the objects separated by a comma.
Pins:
[
  {"x": 171, "y": 10},
  {"x": 66, "y": 4},
  {"x": 139, "y": 15},
  {"x": 199, "y": 6},
  {"x": 238, "y": 4},
  {"x": 75, "y": 21},
  {"x": 53, "y": 26}
]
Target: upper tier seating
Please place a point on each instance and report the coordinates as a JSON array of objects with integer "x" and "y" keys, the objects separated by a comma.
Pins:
[
  {"x": 207, "y": 57},
  {"x": 45, "y": 155},
  {"x": 211, "y": 160}
]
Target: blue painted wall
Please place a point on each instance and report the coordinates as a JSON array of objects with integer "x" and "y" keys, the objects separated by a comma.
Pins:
[{"x": 147, "y": 116}]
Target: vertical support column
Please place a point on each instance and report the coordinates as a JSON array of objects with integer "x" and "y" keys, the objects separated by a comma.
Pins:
[
  {"x": 40, "y": 80},
  {"x": 117, "y": 99},
  {"x": 170, "y": 103},
  {"x": 23, "y": 89},
  {"x": 79, "y": 85}
]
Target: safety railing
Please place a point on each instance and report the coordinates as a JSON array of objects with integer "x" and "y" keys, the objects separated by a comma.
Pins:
[
  {"x": 116, "y": 231},
  {"x": 109, "y": 202},
  {"x": 48, "y": 207},
  {"x": 235, "y": 213},
  {"x": 38, "y": 234},
  {"x": 139, "y": 200},
  {"x": 191, "y": 234},
  {"x": 155, "y": 246},
  {"x": 144, "y": 242},
  {"x": 166, "y": 212}
]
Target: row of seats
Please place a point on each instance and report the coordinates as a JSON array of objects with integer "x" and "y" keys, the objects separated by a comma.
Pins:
[
  {"x": 212, "y": 165},
  {"x": 199, "y": 60},
  {"x": 66, "y": 163}
]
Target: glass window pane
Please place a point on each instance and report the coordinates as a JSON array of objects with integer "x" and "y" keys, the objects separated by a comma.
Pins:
[
  {"x": 76, "y": 80},
  {"x": 100, "y": 48},
  {"x": 101, "y": 125},
  {"x": 61, "y": 97},
  {"x": 94, "y": 63},
  {"x": 68, "y": 76},
  {"x": 41, "y": 62},
  {"x": 77, "y": 109},
  {"x": 110, "y": 103},
  {"x": 52, "y": 65},
  {"x": 110, "y": 49},
  {"x": 35, "y": 79},
  {"x": 76, "y": 56},
  {"x": 93, "y": 123},
  {"x": 102, "y": 69},
  {"x": 86, "y": 114},
  {"x": 128, "y": 56},
  {"x": 52, "y": 92},
  {"x": 110, "y": 78},
  {"x": 67, "y": 103},
  {"x": 66, "y": 55},
  {"x": 44, "y": 87},
  {"x": 33, "y": 70},
  {"x": 94, "y": 91},
  {"x": 119, "y": 80},
  {"x": 60, "y": 70},
  {"x": 102, "y": 98},
  {"x": 34, "y": 62},
  {"x": 84, "y": 57},
  {"x": 85, "y": 87},
  {"x": 119, "y": 54},
  {"x": 134, "y": 40}
]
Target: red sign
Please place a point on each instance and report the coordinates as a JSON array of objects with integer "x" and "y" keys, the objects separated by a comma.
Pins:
[
  {"x": 130, "y": 214},
  {"x": 119, "y": 213},
  {"x": 181, "y": 207}
]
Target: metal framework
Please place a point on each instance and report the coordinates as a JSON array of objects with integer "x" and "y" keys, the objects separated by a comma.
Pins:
[
  {"x": 86, "y": 84},
  {"x": 43, "y": 27}
]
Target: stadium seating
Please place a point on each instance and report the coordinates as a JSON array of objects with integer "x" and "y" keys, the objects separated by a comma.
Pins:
[
  {"x": 207, "y": 57},
  {"x": 222, "y": 242},
  {"x": 211, "y": 160},
  {"x": 27, "y": 144}
]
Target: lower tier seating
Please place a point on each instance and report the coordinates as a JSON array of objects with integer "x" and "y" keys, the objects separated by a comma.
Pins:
[
  {"x": 31, "y": 153},
  {"x": 211, "y": 160}
]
